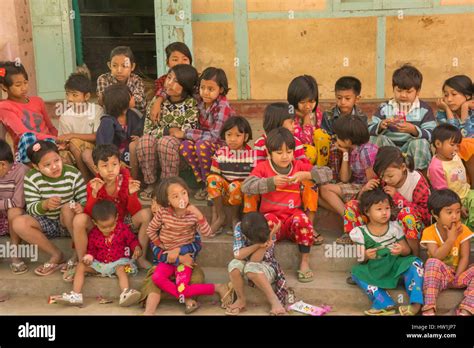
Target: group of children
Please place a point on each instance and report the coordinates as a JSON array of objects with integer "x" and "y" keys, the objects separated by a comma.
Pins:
[{"x": 378, "y": 173}]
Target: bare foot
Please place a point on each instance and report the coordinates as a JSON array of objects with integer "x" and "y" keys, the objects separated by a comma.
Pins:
[
  {"x": 221, "y": 289},
  {"x": 277, "y": 309},
  {"x": 239, "y": 304},
  {"x": 464, "y": 312},
  {"x": 430, "y": 311},
  {"x": 217, "y": 223}
]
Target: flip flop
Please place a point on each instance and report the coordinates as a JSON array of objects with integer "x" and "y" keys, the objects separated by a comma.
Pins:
[
  {"x": 71, "y": 263},
  {"x": 425, "y": 314},
  {"x": 235, "y": 311},
  {"x": 68, "y": 276},
  {"x": 315, "y": 237},
  {"x": 380, "y": 312},
  {"x": 305, "y": 276},
  {"x": 229, "y": 296},
  {"x": 406, "y": 311},
  {"x": 344, "y": 240},
  {"x": 191, "y": 308},
  {"x": 48, "y": 268},
  {"x": 19, "y": 268}
]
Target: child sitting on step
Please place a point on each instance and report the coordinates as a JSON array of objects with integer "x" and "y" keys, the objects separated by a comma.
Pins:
[
  {"x": 448, "y": 244},
  {"x": 173, "y": 226},
  {"x": 111, "y": 250},
  {"x": 386, "y": 257},
  {"x": 254, "y": 259}
]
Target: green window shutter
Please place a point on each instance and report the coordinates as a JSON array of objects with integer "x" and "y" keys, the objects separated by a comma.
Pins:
[
  {"x": 53, "y": 44},
  {"x": 172, "y": 23}
]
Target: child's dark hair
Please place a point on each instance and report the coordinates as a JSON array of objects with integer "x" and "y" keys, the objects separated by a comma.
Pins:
[
  {"x": 461, "y": 84},
  {"x": 187, "y": 77},
  {"x": 406, "y": 77},
  {"x": 11, "y": 68},
  {"x": 160, "y": 193},
  {"x": 371, "y": 197},
  {"x": 446, "y": 131},
  {"x": 78, "y": 82},
  {"x": 103, "y": 210},
  {"x": 178, "y": 47},
  {"x": 218, "y": 75},
  {"x": 352, "y": 128},
  {"x": 440, "y": 199},
  {"x": 276, "y": 114},
  {"x": 116, "y": 99},
  {"x": 391, "y": 156},
  {"x": 44, "y": 148},
  {"x": 122, "y": 51},
  {"x": 346, "y": 83},
  {"x": 301, "y": 88},
  {"x": 255, "y": 228},
  {"x": 237, "y": 121},
  {"x": 277, "y": 137},
  {"x": 6, "y": 153},
  {"x": 105, "y": 151}
]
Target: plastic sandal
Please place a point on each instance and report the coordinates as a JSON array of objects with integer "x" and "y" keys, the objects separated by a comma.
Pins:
[
  {"x": 229, "y": 296},
  {"x": 380, "y": 312},
  {"x": 344, "y": 240},
  {"x": 406, "y": 311},
  {"x": 19, "y": 268},
  {"x": 305, "y": 276},
  {"x": 47, "y": 268},
  {"x": 191, "y": 308},
  {"x": 315, "y": 238},
  {"x": 235, "y": 311}
]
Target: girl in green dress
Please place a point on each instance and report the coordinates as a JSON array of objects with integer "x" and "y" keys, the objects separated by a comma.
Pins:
[{"x": 386, "y": 257}]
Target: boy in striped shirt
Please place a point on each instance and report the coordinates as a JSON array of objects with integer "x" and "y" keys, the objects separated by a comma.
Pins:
[
  {"x": 405, "y": 121},
  {"x": 54, "y": 194}
]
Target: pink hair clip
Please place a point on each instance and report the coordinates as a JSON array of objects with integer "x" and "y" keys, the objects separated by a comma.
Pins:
[
  {"x": 2, "y": 72},
  {"x": 36, "y": 147}
]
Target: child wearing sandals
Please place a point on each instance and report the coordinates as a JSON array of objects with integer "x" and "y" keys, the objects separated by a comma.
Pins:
[
  {"x": 408, "y": 189},
  {"x": 254, "y": 259},
  {"x": 231, "y": 164},
  {"x": 177, "y": 221},
  {"x": 356, "y": 168},
  {"x": 448, "y": 244},
  {"x": 111, "y": 250},
  {"x": 12, "y": 199},
  {"x": 278, "y": 182},
  {"x": 386, "y": 258},
  {"x": 54, "y": 193},
  {"x": 112, "y": 183}
]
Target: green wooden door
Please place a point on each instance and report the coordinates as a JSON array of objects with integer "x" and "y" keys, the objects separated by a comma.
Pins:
[
  {"x": 172, "y": 23},
  {"x": 53, "y": 42}
]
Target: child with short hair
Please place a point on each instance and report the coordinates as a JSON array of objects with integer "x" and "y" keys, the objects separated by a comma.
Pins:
[
  {"x": 405, "y": 121},
  {"x": 408, "y": 189},
  {"x": 386, "y": 258},
  {"x": 173, "y": 226},
  {"x": 112, "y": 183},
  {"x": 448, "y": 244},
  {"x": 278, "y": 181},
  {"x": 231, "y": 164},
  {"x": 79, "y": 123},
  {"x": 120, "y": 126},
  {"x": 176, "y": 53},
  {"x": 200, "y": 144},
  {"x": 347, "y": 90},
  {"x": 303, "y": 95},
  {"x": 12, "y": 200},
  {"x": 457, "y": 108},
  {"x": 254, "y": 259},
  {"x": 111, "y": 250},
  {"x": 446, "y": 169},
  {"x": 122, "y": 64},
  {"x": 54, "y": 193},
  {"x": 24, "y": 117},
  {"x": 352, "y": 139},
  {"x": 179, "y": 113}
]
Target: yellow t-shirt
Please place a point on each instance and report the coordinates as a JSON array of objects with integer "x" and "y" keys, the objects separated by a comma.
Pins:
[{"x": 432, "y": 235}]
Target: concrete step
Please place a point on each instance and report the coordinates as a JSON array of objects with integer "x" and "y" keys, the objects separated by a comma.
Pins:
[{"x": 328, "y": 288}]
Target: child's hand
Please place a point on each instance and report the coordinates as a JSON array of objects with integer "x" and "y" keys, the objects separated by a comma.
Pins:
[
  {"x": 299, "y": 177},
  {"x": 63, "y": 146},
  {"x": 155, "y": 112},
  {"x": 172, "y": 255},
  {"x": 390, "y": 190},
  {"x": 155, "y": 206},
  {"x": 87, "y": 259},
  {"x": 52, "y": 203},
  {"x": 281, "y": 180},
  {"x": 64, "y": 138},
  {"x": 371, "y": 253},
  {"x": 187, "y": 260},
  {"x": 340, "y": 148},
  {"x": 137, "y": 252},
  {"x": 441, "y": 104},
  {"x": 77, "y": 208},
  {"x": 371, "y": 184},
  {"x": 407, "y": 127},
  {"x": 195, "y": 211},
  {"x": 133, "y": 186},
  {"x": 384, "y": 124},
  {"x": 177, "y": 133},
  {"x": 275, "y": 230},
  {"x": 134, "y": 138},
  {"x": 395, "y": 249},
  {"x": 96, "y": 184},
  {"x": 132, "y": 103},
  {"x": 454, "y": 230},
  {"x": 468, "y": 104}
]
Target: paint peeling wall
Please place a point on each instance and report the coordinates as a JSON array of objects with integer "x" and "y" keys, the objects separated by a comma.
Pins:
[{"x": 16, "y": 40}]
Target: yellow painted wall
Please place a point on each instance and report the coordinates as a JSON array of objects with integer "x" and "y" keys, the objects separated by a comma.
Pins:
[{"x": 432, "y": 44}]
